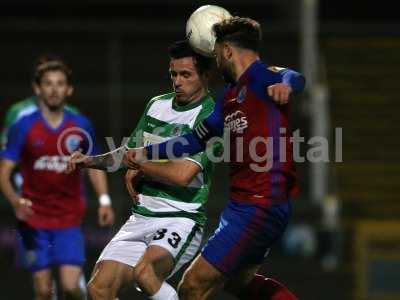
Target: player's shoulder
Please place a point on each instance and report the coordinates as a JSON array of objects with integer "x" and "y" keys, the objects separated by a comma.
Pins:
[
  {"x": 72, "y": 109},
  {"x": 262, "y": 74},
  {"x": 20, "y": 109},
  {"x": 26, "y": 121},
  {"x": 78, "y": 118},
  {"x": 162, "y": 97}
]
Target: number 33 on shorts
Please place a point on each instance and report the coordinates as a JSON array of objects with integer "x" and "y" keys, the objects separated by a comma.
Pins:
[{"x": 173, "y": 240}]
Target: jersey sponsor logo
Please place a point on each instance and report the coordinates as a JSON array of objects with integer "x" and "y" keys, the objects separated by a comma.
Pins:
[
  {"x": 236, "y": 122},
  {"x": 55, "y": 163}
]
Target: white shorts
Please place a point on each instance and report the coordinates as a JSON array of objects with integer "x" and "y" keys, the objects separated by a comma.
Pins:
[{"x": 180, "y": 236}]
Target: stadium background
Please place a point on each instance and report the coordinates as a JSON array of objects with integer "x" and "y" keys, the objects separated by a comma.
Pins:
[{"x": 117, "y": 50}]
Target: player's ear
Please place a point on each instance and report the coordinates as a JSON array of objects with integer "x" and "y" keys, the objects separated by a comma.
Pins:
[
  {"x": 36, "y": 88},
  {"x": 70, "y": 90},
  {"x": 227, "y": 50}
]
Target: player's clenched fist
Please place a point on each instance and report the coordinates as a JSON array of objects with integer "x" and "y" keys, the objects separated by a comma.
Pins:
[
  {"x": 77, "y": 160},
  {"x": 280, "y": 93},
  {"x": 133, "y": 157},
  {"x": 131, "y": 179},
  {"x": 23, "y": 209}
]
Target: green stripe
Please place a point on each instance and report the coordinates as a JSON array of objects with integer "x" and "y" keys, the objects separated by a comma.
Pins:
[
  {"x": 182, "y": 194},
  {"x": 187, "y": 243},
  {"x": 199, "y": 218}
]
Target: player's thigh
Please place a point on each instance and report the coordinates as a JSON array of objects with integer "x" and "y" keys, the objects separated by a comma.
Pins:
[
  {"x": 110, "y": 274},
  {"x": 69, "y": 277},
  {"x": 129, "y": 244},
  {"x": 181, "y": 237},
  {"x": 244, "y": 236},
  {"x": 201, "y": 278},
  {"x": 160, "y": 260}
]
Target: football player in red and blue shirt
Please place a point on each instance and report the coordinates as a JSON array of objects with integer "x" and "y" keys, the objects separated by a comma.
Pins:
[
  {"x": 52, "y": 204},
  {"x": 263, "y": 178}
]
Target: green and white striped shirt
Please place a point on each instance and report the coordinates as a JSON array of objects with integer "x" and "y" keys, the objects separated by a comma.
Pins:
[{"x": 164, "y": 119}]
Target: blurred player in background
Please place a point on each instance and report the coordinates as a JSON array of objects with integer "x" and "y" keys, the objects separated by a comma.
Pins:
[
  {"x": 23, "y": 108},
  {"x": 164, "y": 231},
  {"x": 51, "y": 206},
  {"x": 262, "y": 183}
]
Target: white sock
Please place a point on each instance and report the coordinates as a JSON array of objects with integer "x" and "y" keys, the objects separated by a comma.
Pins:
[
  {"x": 166, "y": 292},
  {"x": 82, "y": 284}
]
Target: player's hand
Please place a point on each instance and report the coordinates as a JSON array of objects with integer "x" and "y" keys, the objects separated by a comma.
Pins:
[
  {"x": 280, "y": 93},
  {"x": 131, "y": 179},
  {"x": 77, "y": 160},
  {"x": 23, "y": 209},
  {"x": 106, "y": 215},
  {"x": 133, "y": 157}
]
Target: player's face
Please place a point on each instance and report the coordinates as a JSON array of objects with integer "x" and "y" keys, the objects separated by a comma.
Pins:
[
  {"x": 53, "y": 89},
  {"x": 223, "y": 56},
  {"x": 188, "y": 84}
]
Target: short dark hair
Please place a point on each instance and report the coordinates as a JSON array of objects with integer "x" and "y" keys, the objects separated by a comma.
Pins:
[
  {"x": 242, "y": 32},
  {"x": 181, "y": 49},
  {"x": 50, "y": 62}
]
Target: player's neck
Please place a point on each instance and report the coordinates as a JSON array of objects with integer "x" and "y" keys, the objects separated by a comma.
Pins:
[
  {"x": 53, "y": 117},
  {"x": 243, "y": 62}
]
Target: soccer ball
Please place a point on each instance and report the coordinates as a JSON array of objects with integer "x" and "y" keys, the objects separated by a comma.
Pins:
[{"x": 199, "y": 27}]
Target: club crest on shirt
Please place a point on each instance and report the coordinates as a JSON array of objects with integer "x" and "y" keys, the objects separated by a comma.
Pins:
[
  {"x": 242, "y": 95},
  {"x": 72, "y": 142},
  {"x": 177, "y": 130}
]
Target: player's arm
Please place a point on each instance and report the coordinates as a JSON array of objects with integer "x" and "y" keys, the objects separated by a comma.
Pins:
[
  {"x": 6, "y": 168},
  {"x": 9, "y": 157},
  {"x": 177, "y": 172},
  {"x": 292, "y": 82},
  {"x": 110, "y": 161}
]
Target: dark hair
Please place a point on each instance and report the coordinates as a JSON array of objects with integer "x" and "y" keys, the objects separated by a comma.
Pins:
[
  {"x": 50, "y": 62},
  {"x": 181, "y": 49},
  {"x": 242, "y": 32}
]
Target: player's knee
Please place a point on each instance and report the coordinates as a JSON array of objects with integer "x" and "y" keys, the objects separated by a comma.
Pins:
[
  {"x": 142, "y": 272},
  {"x": 98, "y": 290},
  {"x": 43, "y": 292}
]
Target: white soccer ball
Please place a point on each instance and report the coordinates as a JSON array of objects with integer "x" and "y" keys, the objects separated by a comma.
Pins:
[{"x": 199, "y": 27}]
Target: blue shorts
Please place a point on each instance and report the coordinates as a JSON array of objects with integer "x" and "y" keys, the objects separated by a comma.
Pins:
[
  {"x": 40, "y": 249},
  {"x": 244, "y": 235}
]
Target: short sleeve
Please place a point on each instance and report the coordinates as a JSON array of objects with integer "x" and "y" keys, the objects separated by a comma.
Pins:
[{"x": 16, "y": 136}]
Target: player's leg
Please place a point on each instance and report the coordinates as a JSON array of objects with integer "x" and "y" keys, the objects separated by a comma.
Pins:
[
  {"x": 69, "y": 280},
  {"x": 151, "y": 271},
  {"x": 107, "y": 279},
  {"x": 68, "y": 253},
  {"x": 200, "y": 280},
  {"x": 34, "y": 255},
  {"x": 43, "y": 284},
  {"x": 115, "y": 266},
  {"x": 174, "y": 243},
  {"x": 244, "y": 282}
]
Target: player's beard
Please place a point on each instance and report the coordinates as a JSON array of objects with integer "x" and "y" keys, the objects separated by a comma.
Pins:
[
  {"x": 56, "y": 106},
  {"x": 226, "y": 72}
]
